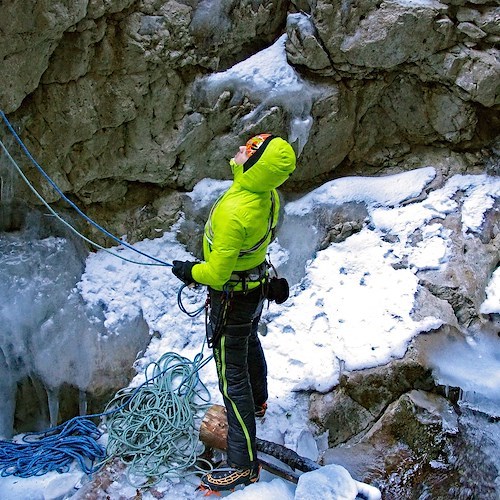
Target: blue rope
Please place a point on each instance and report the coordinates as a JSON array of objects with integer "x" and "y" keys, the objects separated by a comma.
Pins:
[
  {"x": 67, "y": 200},
  {"x": 66, "y": 223},
  {"x": 55, "y": 449},
  {"x": 191, "y": 314}
]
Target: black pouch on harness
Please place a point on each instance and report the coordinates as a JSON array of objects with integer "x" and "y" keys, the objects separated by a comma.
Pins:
[{"x": 277, "y": 290}]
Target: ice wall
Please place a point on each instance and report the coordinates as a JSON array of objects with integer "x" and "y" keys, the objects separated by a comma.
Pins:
[
  {"x": 48, "y": 333},
  {"x": 477, "y": 373},
  {"x": 37, "y": 273}
]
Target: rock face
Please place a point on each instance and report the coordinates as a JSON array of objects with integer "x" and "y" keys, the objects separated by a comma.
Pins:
[
  {"x": 109, "y": 95},
  {"x": 392, "y": 426},
  {"x": 124, "y": 104},
  {"x": 420, "y": 446},
  {"x": 360, "y": 399}
]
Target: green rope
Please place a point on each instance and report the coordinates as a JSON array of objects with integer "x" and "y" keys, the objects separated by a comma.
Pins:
[{"x": 155, "y": 431}]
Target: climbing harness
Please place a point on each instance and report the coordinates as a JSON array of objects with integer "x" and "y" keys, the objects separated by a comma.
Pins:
[{"x": 257, "y": 274}]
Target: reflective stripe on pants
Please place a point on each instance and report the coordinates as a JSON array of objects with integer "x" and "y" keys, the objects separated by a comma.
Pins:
[{"x": 242, "y": 372}]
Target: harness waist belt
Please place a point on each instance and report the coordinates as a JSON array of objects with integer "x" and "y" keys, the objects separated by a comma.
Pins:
[{"x": 255, "y": 274}]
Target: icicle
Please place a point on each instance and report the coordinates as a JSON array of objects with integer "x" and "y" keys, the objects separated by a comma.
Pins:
[
  {"x": 82, "y": 401},
  {"x": 299, "y": 131},
  {"x": 7, "y": 182},
  {"x": 460, "y": 395},
  {"x": 53, "y": 402},
  {"x": 7, "y": 188},
  {"x": 341, "y": 367}
]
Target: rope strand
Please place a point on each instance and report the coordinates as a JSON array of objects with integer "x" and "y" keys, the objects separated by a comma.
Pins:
[
  {"x": 67, "y": 200},
  {"x": 66, "y": 223}
]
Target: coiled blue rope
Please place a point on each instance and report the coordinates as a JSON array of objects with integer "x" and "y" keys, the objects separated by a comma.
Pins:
[
  {"x": 132, "y": 420},
  {"x": 53, "y": 450}
]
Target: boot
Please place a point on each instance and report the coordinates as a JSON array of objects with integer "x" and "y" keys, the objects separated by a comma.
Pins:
[{"x": 228, "y": 477}]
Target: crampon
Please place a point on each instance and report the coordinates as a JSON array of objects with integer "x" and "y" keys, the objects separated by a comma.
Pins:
[{"x": 227, "y": 478}]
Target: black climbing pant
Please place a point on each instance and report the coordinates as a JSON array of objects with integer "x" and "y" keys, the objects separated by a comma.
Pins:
[{"x": 241, "y": 368}]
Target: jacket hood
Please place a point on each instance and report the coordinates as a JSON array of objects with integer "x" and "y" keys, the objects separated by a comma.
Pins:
[{"x": 271, "y": 170}]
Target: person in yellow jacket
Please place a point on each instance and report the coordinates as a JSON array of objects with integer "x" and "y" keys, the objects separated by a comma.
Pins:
[{"x": 237, "y": 233}]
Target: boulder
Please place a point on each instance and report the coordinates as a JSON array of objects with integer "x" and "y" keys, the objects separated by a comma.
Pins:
[{"x": 362, "y": 396}]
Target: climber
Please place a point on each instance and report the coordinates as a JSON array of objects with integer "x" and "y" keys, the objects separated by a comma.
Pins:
[{"x": 238, "y": 231}]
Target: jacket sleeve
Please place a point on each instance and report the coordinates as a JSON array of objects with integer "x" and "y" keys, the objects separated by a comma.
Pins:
[{"x": 228, "y": 237}]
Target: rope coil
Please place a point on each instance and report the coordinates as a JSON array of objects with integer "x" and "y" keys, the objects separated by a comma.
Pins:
[
  {"x": 154, "y": 432},
  {"x": 53, "y": 450}
]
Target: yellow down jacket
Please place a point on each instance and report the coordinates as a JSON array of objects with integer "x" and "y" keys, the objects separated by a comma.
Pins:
[{"x": 239, "y": 228}]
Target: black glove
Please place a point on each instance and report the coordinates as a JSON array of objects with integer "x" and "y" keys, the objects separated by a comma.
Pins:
[
  {"x": 278, "y": 290},
  {"x": 183, "y": 271}
]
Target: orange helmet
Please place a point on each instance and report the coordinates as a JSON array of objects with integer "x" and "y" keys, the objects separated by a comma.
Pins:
[{"x": 254, "y": 143}]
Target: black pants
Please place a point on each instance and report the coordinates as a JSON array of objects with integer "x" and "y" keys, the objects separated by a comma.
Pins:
[{"x": 241, "y": 368}]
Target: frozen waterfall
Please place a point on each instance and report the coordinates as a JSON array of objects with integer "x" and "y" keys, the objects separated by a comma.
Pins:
[{"x": 49, "y": 338}]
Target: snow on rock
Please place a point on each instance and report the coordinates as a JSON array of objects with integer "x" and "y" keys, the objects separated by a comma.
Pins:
[{"x": 330, "y": 482}]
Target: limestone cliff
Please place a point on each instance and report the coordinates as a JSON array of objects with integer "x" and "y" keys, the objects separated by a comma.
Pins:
[{"x": 109, "y": 96}]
